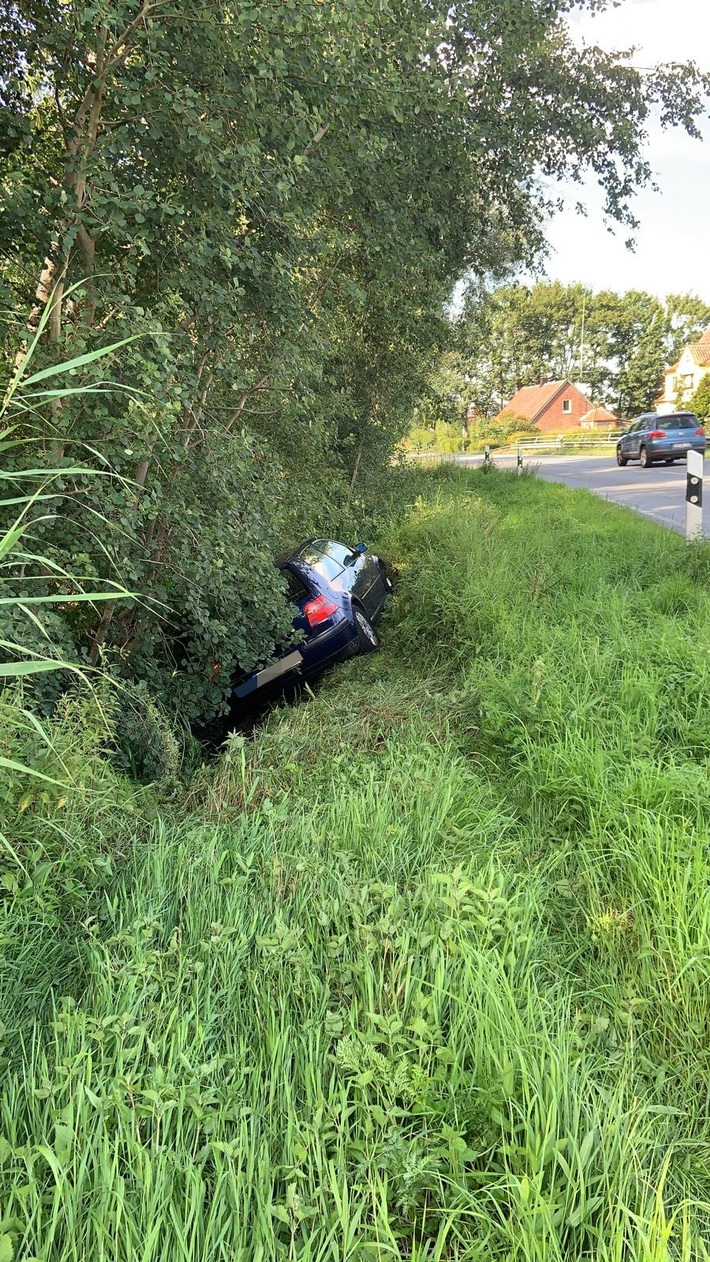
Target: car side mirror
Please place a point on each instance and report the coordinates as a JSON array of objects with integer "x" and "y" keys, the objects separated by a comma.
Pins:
[{"x": 360, "y": 548}]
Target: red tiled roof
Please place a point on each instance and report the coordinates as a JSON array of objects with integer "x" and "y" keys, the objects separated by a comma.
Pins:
[
  {"x": 530, "y": 401},
  {"x": 701, "y": 351},
  {"x": 598, "y": 414}
]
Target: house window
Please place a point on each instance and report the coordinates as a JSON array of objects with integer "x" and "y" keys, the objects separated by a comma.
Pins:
[
  {"x": 688, "y": 381},
  {"x": 567, "y": 405}
]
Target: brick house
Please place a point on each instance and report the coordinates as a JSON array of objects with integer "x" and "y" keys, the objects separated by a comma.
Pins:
[
  {"x": 683, "y": 378},
  {"x": 551, "y": 406}
]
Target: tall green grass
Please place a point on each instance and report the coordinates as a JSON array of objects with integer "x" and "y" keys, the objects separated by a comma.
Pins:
[{"x": 422, "y": 972}]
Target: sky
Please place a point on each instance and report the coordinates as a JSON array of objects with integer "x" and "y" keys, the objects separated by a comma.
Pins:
[{"x": 672, "y": 254}]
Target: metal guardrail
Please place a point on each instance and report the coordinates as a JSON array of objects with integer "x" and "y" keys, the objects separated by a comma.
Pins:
[
  {"x": 528, "y": 444},
  {"x": 584, "y": 440}
]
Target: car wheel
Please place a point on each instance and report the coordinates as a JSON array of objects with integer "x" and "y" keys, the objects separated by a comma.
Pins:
[
  {"x": 368, "y": 637},
  {"x": 644, "y": 459},
  {"x": 620, "y": 457}
]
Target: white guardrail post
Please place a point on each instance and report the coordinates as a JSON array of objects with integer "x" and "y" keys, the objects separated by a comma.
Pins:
[
  {"x": 694, "y": 496},
  {"x": 519, "y": 461},
  {"x": 486, "y": 456}
]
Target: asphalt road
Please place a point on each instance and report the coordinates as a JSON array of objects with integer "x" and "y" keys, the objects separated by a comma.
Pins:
[{"x": 658, "y": 493}]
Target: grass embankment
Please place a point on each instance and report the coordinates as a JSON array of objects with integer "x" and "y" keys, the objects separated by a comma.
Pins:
[{"x": 423, "y": 973}]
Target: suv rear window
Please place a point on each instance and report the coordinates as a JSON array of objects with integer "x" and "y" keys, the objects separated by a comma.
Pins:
[{"x": 685, "y": 420}]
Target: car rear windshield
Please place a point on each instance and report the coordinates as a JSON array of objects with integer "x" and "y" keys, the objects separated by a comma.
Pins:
[
  {"x": 683, "y": 421},
  {"x": 319, "y": 561},
  {"x": 339, "y": 552}
]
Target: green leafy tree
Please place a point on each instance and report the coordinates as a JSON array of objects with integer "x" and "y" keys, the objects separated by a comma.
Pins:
[
  {"x": 631, "y": 332},
  {"x": 700, "y": 401},
  {"x": 517, "y": 335},
  {"x": 687, "y": 318},
  {"x": 617, "y": 345}
]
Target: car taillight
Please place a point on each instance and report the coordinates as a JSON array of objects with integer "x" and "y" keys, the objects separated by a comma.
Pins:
[
  {"x": 318, "y": 610},
  {"x": 658, "y": 433},
  {"x": 700, "y": 433}
]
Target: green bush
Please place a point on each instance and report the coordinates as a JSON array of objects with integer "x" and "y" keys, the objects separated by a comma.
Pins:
[{"x": 441, "y": 439}]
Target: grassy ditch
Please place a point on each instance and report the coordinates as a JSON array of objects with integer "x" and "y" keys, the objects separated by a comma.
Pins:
[{"x": 422, "y": 973}]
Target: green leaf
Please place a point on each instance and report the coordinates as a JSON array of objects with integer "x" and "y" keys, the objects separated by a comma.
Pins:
[
  {"x": 119, "y": 593},
  {"x": 79, "y": 362},
  {"x": 14, "y": 670},
  {"x": 11, "y": 765}
]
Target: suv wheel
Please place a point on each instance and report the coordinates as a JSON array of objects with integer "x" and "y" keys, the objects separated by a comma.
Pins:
[
  {"x": 644, "y": 459},
  {"x": 620, "y": 457}
]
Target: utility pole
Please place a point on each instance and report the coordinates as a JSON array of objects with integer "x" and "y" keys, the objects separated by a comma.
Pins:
[{"x": 581, "y": 344}]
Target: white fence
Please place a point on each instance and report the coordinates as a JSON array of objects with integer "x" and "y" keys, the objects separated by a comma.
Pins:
[
  {"x": 567, "y": 440},
  {"x": 526, "y": 444}
]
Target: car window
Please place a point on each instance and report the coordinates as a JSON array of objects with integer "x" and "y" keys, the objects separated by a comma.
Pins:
[
  {"x": 637, "y": 425},
  {"x": 318, "y": 560},
  {"x": 684, "y": 421},
  {"x": 295, "y": 586},
  {"x": 338, "y": 551}
]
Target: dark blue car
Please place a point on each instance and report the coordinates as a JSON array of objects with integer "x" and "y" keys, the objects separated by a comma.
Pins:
[{"x": 340, "y": 593}]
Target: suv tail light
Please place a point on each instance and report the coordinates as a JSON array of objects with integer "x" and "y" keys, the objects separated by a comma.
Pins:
[
  {"x": 658, "y": 433},
  {"x": 700, "y": 433},
  {"x": 318, "y": 610}
]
